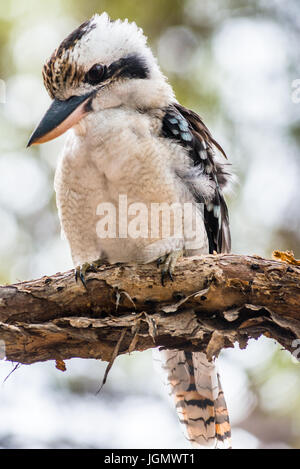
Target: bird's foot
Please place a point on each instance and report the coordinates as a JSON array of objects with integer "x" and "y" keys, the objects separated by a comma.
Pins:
[
  {"x": 81, "y": 270},
  {"x": 168, "y": 263}
]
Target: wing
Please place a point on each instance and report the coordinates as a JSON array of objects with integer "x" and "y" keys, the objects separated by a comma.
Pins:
[{"x": 188, "y": 129}]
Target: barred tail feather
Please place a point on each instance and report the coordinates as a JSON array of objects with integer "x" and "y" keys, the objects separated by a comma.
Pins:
[{"x": 199, "y": 398}]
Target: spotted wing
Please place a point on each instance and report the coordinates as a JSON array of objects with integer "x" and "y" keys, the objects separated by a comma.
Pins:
[{"x": 188, "y": 129}]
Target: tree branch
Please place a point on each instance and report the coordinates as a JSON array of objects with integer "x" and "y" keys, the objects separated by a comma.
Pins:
[{"x": 214, "y": 301}]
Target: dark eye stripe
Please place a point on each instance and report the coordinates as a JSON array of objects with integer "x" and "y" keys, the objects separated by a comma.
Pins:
[{"x": 132, "y": 66}]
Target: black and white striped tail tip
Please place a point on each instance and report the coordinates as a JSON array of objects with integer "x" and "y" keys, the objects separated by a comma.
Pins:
[{"x": 196, "y": 389}]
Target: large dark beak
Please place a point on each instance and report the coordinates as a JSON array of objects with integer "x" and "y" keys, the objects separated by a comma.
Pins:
[{"x": 61, "y": 116}]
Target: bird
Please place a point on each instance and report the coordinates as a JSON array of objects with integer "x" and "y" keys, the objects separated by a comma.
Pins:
[{"x": 128, "y": 136}]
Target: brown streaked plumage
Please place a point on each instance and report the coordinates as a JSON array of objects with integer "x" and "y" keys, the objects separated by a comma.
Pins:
[
  {"x": 73, "y": 38},
  {"x": 59, "y": 73},
  {"x": 60, "y": 70}
]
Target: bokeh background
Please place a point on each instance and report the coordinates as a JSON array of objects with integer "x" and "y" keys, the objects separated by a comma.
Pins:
[{"x": 236, "y": 62}]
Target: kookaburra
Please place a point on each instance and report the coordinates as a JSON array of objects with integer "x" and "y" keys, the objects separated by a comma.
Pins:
[{"x": 130, "y": 137}]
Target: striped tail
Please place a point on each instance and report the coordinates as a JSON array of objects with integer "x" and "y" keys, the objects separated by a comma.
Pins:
[{"x": 195, "y": 385}]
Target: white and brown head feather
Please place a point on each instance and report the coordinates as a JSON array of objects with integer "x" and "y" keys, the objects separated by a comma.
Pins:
[{"x": 98, "y": 40}]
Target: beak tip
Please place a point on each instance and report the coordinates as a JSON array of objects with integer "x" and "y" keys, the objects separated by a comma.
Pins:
[
  {"x": 29, "y": 143},
  {"x": 32, "y": 140}
]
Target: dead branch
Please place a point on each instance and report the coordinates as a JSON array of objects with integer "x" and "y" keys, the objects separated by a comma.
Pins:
[{"x": 214, "y": 302}]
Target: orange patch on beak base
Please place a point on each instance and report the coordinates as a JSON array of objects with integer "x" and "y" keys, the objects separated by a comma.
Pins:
[{"x": 60, "y": 117}]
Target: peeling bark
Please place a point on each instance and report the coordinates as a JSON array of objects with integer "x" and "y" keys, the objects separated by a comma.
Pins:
[{"x": 214, "y": 302}]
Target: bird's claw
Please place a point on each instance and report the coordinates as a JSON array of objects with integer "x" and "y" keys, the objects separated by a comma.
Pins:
[
  {"x": 81, "y": 270},
  {"x": 168, "y": 264},
  {"x": 160, "y": 261}
]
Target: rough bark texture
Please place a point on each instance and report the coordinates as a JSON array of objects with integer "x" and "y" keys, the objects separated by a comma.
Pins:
[{"x": 214, "y": 301}]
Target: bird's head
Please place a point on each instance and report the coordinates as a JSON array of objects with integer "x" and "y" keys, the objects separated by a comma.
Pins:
[{"x": 102, "y": 64}]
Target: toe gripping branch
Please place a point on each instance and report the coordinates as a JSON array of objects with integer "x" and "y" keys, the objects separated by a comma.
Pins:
[
  {"x": 168, "y": 264},
  {"x": 82, "y": 270}
]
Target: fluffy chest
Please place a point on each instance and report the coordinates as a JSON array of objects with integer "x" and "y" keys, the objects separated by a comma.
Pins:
[
  {"x": 118, "y": 162},
  {"x": 122, "y": 153}
]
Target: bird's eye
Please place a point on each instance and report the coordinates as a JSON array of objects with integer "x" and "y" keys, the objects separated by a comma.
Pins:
[{"x": 95, "y": 75}]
